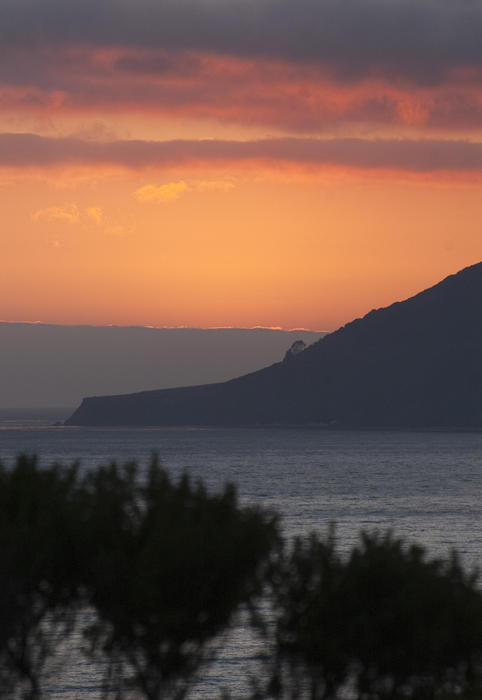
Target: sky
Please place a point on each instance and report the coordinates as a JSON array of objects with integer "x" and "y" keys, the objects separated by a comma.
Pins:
[
  {"x": 58, "y": 365},
  {"x": 211, "y": 163}
]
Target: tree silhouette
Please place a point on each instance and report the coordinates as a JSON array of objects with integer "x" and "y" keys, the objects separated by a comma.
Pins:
[
  {"x": 170, "y": 564},
  {"x": 386, "y": 620},
  {"x": 38, "y": 569},
  {"x": 162, "y": 566}
]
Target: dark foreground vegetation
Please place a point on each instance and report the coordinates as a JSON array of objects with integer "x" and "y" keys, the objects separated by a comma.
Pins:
[{"x": 152, "y": 572}]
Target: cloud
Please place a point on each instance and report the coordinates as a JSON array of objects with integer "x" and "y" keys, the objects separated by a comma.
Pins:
[
  {"x": 68, "y": 214},
  {"x": 174, "y": 190},
  {"x": 161, "y": 193},
  {"x": 419, "y": 156},
  {"x": 62, "y": 83},
  {"x": 95, "y": 213},
  {"x": 415, "y": 39}
]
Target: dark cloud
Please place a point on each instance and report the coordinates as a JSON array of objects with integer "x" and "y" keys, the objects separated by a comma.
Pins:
[
  {"x": 173, "y": 64},
  {"x": 294, "y": 97},
  {"x": 417, "y": 40},
  {"x": 29, "y": 150}
]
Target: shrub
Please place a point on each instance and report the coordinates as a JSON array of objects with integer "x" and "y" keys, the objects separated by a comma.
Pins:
[
  {"x": 169, "y": 565},
  {"x": 385, "y": 620},
  {"x": 39, "y": 591}
]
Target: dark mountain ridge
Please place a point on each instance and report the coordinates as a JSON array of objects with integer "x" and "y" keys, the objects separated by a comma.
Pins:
[{"x": 415, "y": 363}]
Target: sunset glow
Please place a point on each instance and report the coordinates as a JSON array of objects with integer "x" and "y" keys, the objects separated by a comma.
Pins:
[{"x": 211, "y": 164}]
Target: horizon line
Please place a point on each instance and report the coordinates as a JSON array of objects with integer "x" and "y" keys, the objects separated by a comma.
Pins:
[{"x": 152, "y": 327}]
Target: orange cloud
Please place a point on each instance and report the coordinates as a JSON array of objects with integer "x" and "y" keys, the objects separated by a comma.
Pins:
[
  {"x": 95, "y": 213},
  {"x": 174, "y": 190},
  {"x": 68, "y": 214},
  {"x": 161, "y": 193}
]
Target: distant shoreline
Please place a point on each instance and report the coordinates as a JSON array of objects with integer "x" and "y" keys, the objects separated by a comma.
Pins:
[{"x": 55, "y": 416}]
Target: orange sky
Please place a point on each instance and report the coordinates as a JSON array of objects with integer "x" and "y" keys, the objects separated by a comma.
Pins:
[{"x": 193, "y": 187}]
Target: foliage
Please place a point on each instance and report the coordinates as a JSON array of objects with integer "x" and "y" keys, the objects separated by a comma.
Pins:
[
  {"x": 38, "y": 568},
  {"x": 385, "y": 620},
  {"x": 165, "y": 565},
  {"x": 170, "y": 565}
]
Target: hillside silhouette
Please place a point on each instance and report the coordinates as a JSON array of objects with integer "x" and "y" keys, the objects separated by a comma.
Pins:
[{"x": 416, "y": 363}]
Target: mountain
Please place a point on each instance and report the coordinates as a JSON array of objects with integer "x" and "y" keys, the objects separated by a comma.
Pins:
[
  {"x": 50, "y": 365},
  {"x": 415, "y": 363}
]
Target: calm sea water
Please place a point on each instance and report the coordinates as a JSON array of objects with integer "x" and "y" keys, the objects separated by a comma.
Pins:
[{"x": 426, "y": 486}]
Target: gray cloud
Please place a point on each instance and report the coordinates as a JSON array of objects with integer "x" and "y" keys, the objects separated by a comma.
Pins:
[
  {"x": 418, "y": 40},
  {"x": 251, "y": 92},
  {"x": 29, "y": 150}
]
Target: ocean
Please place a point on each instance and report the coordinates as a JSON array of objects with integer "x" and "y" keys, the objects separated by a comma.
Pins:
[{"x": 424, "y": 485}]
